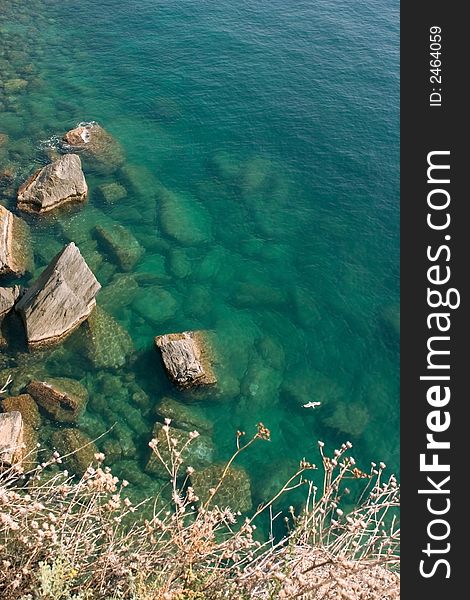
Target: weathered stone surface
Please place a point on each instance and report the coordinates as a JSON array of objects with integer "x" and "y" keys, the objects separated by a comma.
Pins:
[
  {"x": 96, "y": 144},
  {"x": 11, "y": 438},
  {"x": 61, "y": 298},
  {"x": 8, "y": 297},
  {"x": 186, "y": 359},
  {"x": 121, "y": 245},
  {"x": 197, "y": 454},
  {"x": 79, "y": 447},
  {"x": 106, "y": 343},
  {"x": 55, "y": 184},
  {"x": 62, "y": 399},
  {"x": 112, "y": 192},
  {"x": 15, "y": 249},
  {"x": 234, "y": 493},
  {"x": 188, "y": 418},
  {"x": 25, "y": 405}
]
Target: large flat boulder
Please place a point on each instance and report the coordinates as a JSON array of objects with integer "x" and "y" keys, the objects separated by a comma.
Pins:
[
  {"x": 15, "y": 248},
  {"x": 186, "y": 359},
  {"x": 61, "y": 298},
  {"x": 11, "y": 438},
  {"x": 58, "y": 183}
]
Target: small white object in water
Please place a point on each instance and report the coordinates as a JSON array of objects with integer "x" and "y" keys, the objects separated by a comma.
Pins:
[{"x": 311, "y": 404}]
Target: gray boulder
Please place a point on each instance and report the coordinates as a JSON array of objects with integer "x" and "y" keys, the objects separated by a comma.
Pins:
[
  {"x": 186, "y": 359},
  {"x": 61, "y": 298},
  {"x": 55, "y": 184},
  {"x": 15, "y": 249},
  {"x": 8, "y": 297},
  {"x": 11, "y": 438}
]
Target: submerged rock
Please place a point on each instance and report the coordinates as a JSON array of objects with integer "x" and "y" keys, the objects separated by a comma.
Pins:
[
  {"x": 234, "y": 493},
  {"x": 63, "y": 399},
  {"x": 120, "y": 292},
  {"x": 112, "y": 192},
  {"x": 182, "y": 416},
  {"x": 11, "y": 438},
  {"x": 183, "y": 218},
  {"x": 106, "y": 343},
  {"x": 78, "y": 447},
  {"x": 105, "y": 153},
  {"x": 155, "y": 305},
  {"x": 197, "y": 454},
  {"x": 60, "y": 299},
  {"x": 121, "y": 245},
  {"x": 58, "y": 183},
  {"x": 350, "y": 418},
  {"x": 15, "y": 247},
  {"x": 186, "y": 359},
  {"x": 25, "y": 405}
]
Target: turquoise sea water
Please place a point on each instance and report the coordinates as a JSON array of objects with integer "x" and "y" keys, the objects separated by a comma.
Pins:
[{"x": 274, "y": 125}]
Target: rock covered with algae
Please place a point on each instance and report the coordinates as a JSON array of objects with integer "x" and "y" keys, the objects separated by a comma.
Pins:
[
  {"x": 15, "y": 245},
  {"x": 350, "y": 418},
  {"x": 197, "y": 454},
  {"x": 235, "y": 491},
  {"x": 186, "y": 358},
  {"x": 79, "y": 450},
  {"x": 183, "y": 218},
  {"x": 59, "y": 300},
  {"x": 105, "y": 342},
  {"x": 120, "y": 244},
  {"x": 58, "y": 183},
  {"x": 188, "y": 418},
  {"x": 62, "y": 399},
  {"x": 25, "y": 405}
]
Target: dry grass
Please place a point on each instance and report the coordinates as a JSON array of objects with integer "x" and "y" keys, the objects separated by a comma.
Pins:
[{"x": 68, "y": 539}]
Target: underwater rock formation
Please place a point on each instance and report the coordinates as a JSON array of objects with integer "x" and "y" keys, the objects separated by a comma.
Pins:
[
  {"x": 96, "y": 144},
  {"x": 62, "y": 399},
  {"x": 106, "y": 344},
  {"x": 11, "y": 438},
  {"x": 58, "y": 183},
  {"x": 122, "y": 246},
  {"x": 234, "y": 492},
  {"x": 15, "y": 248},
  {"x": 60, "y": 299},
  {"x": 197, "y": 454},
  {"x": 183, "y": 218},
  {"x": 188, "y": 418},
  {"x": 186, "y": 359},
  {"x": 25, "y": 405},
  {"x": 112, "y": 192},
  {"x": 78, "y": 447}
]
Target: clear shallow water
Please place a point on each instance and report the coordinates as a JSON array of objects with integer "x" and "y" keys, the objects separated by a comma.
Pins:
[{"x": 276, "y": 127}]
